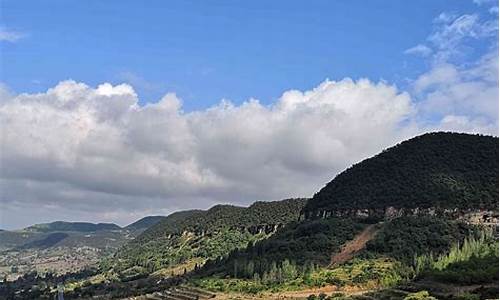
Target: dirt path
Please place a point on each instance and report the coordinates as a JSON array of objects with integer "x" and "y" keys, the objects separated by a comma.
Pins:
[{"x": 354, "y": 246}]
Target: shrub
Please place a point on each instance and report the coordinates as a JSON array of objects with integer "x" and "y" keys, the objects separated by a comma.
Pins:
[{"x": 422, "y": 295}]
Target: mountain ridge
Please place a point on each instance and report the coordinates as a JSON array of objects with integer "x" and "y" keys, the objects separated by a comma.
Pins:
[
  {"x": 71, "y": 226},
  {"x": 144, "y": 223}
]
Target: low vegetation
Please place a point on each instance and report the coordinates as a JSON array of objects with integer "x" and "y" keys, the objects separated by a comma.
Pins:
[
  {"x": 406, "y": 237},
  {"x": 202, "y": 235},
  {"x": 304, "y": 243},
  {"x": 474, "y": 261}
]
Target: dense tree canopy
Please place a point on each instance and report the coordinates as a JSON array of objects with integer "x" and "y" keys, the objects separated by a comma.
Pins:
[
  {"x": 72, "y": 226},
  {"x": 447, "y": 170},
  {"x": 214, "y": 233},
  {"x": 144, "y": 223},
  {"x": 227, "y": 216}
]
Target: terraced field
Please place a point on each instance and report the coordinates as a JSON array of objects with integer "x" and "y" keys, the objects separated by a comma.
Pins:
[{"x": 177, "y": 293}]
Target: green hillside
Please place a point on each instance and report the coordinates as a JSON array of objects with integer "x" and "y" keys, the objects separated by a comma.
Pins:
[
  {"x": 200, "y": 235},
  {"x": 228, "y": 217},
  {"x": 404, "y": 250},
  {"x": 48, "y": 241},
  {"x": 446, "y": 170},
  {"x": 144, "y": 223}
]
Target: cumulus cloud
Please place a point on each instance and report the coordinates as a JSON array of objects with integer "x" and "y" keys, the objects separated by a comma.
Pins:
[
  {"x": 95, "y": 149},
  {"x": 450, "y": 92},
  {"x": 97, "y": 153}
]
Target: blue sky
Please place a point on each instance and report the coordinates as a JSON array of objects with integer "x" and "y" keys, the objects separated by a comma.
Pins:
[
  {"x": 208, "y": 50},
  {"x": 92, "y": 132}
]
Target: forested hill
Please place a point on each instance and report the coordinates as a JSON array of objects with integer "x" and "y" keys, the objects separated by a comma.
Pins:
[
  {"x": 446, "y": 170},
  {"x": 72, "y": 226},
  {"x": 144, "y": 223},
  {"x": 227, "y": 217},
  {"x": 217, "y": 232}
]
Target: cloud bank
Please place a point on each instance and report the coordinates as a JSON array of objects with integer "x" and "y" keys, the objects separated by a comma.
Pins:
[{"x": 96, "y": 148}]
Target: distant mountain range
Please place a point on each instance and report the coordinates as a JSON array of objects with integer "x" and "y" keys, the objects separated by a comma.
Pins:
[
  {"x": 72, "y": 226},
  {"x": 74, "y": 234}
]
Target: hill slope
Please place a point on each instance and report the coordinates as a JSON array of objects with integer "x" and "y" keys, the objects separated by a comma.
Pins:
[
  {"x": 433, "y": 170},
  {"x": 228, "y": 216},
  {"x": 144, "y": 223},
  {"x": 446, "y": 170},
  {"x": 72, "y": 226},
  {"x": 48, "y": 241},
  {"x": 199, "y": 235}
]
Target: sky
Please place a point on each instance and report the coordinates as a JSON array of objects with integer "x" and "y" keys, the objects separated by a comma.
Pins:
[{"x": 114, "y": 110}]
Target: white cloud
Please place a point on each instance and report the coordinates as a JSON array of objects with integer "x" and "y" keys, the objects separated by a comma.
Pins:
[
  {"x": 459, "y": 90},
  {"x": 467, "y": 124},
  {"x": 455, "y": 29},
  {"x": 481, "y": 2},
  {"x": 419, "y": 49},
  {"x": 445, "y": 17},
  {"x": 10, "y": 35},
  {"x": 437, "y": 76},
  {"x": 91, "y": 150},
  {"x": 450, "y": 36},
  {"x": 102, "y": 150},
  {"x": 463, "y": 97}
]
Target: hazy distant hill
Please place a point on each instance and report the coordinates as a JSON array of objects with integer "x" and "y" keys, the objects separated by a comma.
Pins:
[
  {"x": 447, "y": 170},
  {"x": 72, "y": 226},
  {"x": 74, "y": 234},
  {"x": 144, "y": 223},
  {"x": 12, "y": 239},
  {"x": 48, "y": 241}
]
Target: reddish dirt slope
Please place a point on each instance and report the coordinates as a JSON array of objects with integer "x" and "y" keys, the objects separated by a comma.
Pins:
[{"x": 354, "y": 246}]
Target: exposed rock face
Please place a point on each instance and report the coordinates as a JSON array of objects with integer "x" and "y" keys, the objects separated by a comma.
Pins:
[
  {"x": 480, "y": 217},
  {"x": 255, "y": 229}
]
